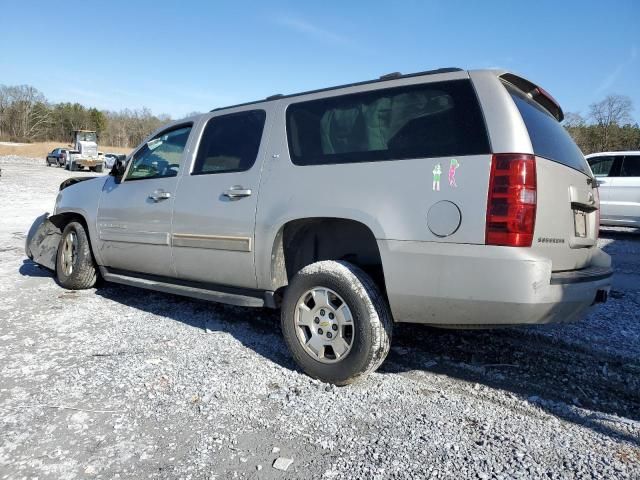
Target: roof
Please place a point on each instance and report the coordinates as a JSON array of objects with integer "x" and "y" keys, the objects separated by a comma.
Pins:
[
  {"x": 606, "y": 154},
  {"x": 383, "y": 78}
]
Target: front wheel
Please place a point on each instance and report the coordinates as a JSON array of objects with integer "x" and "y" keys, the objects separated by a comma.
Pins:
[
  {"x": 336, "y": 322},
  {"x": 75, "y": 268}
]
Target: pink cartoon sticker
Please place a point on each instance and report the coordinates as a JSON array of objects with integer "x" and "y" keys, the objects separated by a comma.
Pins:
[{"x": 453, "y": 166}]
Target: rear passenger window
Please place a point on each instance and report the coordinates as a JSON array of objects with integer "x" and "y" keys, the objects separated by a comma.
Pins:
[
  {"x": 230, "y": 143},
  {"x": 548, "y": 138},
  {"x": 630, "y": 166},
  {"x": 420, "y": 121},
  {"x": 601, "y": 166}
]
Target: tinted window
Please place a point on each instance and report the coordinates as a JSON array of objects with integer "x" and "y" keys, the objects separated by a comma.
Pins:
[
  {"x": 161, "y": 156},
  {"x": 230, "y": 143},
  {"x": 630, "y": 166},
  {"x": 429, "y": 120},
  {"x": 548, "y": 137},
  {"x": 601, "y": 166}
]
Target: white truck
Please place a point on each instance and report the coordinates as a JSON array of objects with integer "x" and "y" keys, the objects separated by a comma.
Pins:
[{"x": 85, "y": 152}]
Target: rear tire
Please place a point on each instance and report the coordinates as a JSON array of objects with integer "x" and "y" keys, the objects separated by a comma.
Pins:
[
  {"x": 356, "y": 347},
  {"x": 75, "y": 267},
  {"x": 99, "y": 168}
]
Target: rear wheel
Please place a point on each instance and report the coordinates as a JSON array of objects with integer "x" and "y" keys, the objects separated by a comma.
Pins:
[
  {"x": 75, "y": 268},
  {"x": 336, "y": 322},
  {"x": 99, "y": 168}
]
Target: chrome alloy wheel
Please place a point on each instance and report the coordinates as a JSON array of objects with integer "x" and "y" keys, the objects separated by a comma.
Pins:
[
  {"x": 69, "y": 252},
  {"x": 324, "y": 325}
]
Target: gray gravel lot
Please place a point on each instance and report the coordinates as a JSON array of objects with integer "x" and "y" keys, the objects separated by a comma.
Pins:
[{"x": 116, "y": 382}]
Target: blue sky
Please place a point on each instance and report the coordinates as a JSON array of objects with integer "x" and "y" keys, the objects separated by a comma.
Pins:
[{"x": 182, "y": 56}]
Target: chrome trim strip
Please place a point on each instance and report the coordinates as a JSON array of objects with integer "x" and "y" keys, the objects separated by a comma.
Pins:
[
  {"x": 215, "y": 242},
  {"x": 151, "y": 238}
]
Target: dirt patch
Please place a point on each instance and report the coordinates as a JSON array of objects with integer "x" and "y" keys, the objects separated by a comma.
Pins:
[{"x": 41, "y": 149}]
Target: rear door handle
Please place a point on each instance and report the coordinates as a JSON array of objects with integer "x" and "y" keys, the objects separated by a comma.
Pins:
[
  {"x": 237, "y": 191},
  {"x": 159, "y": 195}
]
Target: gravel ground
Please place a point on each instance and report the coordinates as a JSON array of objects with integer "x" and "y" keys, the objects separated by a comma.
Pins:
[{"x": 117, "y": 382}]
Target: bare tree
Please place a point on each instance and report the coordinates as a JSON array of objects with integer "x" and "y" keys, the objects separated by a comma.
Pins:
[
  {"x": 574, "y": 119},
  {"x": 609, "y": 115},
  {"x": 613, "y": 110}
]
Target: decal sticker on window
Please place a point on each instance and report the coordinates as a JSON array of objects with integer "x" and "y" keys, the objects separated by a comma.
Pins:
[
  {"x": 437, "y": 171},
  {"x": 453, "y": 166}
]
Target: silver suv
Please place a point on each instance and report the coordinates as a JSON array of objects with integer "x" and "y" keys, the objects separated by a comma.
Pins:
[{"x": 451, "y": 198}]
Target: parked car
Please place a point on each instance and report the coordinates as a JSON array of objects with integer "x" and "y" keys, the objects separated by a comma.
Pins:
[
  {"x": 110, "y": 159},
  {"x": 618, "y": 175},
  {"x": 57, "y": 157},
  {"x": 412, "y": 198}
]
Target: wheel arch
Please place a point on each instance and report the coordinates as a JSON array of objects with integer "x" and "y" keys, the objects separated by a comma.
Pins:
[
  {"x": 302, "y": 241},
  {"x": 62, "y": 219}
]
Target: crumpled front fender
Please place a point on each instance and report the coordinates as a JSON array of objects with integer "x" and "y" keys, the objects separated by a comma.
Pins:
[{"x": 42, "y": 242}]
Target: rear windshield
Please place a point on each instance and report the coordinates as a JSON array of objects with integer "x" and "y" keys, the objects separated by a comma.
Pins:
[
  {"x": 549, "y": 138},
  {"x": 418, "y": 121}
]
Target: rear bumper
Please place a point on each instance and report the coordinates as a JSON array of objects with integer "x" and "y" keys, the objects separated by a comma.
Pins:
[{"x": 478, "y": 285}]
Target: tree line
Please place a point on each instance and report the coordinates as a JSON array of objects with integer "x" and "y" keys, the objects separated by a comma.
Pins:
[
  {"x": 607, "y": 126},
  {"x": 27, "y": 116}
]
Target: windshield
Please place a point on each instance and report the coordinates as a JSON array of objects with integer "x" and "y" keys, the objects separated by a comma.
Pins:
[{"x": 87, "y": 136}]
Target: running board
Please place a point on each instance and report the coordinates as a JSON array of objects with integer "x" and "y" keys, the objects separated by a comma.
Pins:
[{"x": 189, "y": 289}]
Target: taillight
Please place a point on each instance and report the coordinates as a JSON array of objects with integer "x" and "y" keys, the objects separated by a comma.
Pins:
[
  {"x": 596, "y": 197},
  {"x": 511, "y": 205}
]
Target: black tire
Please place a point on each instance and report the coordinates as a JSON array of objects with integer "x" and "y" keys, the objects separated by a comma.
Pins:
[
  {"x": 372, "y": 321},
  {"x": 48, "y": 164},
  {"x": 99, "y": 168},
  {"x": 83, "y": 273}
]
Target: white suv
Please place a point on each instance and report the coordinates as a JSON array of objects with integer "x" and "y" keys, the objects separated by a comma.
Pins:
[{"x": 618, "y": 175}]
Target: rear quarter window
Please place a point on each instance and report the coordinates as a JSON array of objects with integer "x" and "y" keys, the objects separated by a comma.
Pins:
[
  {"x": 418, "y": 121},
  {"x": 630, "y": 166},
  {"x": 548, "y": 137}
]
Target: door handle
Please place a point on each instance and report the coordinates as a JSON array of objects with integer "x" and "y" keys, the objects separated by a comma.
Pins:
[
  {"x": 237, "y": 191},
  {"x": 159, "y": 195}
]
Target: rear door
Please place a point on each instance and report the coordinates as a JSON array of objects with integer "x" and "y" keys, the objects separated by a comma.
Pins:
[
  {"x": 566, "y": 217},
  {"x": 134, "y": 216},
  {"x": 215, "y": 206},
  {"x": 624, "y": 192}
]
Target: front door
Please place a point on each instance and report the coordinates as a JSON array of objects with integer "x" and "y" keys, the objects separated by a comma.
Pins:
[
  {"x": 215, "y": 206},
  {"x": 604, "y": 170},
  {"x": 134, "y": 216}
]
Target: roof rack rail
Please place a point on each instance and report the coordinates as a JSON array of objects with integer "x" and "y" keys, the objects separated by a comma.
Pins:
[{"x": 390, "y": 76}]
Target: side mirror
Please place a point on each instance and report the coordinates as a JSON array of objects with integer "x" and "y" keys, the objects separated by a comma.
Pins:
[{"x": 118, "y": 169}]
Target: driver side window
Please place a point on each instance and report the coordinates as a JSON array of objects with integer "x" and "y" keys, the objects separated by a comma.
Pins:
[{"x": 161, "y": 156}]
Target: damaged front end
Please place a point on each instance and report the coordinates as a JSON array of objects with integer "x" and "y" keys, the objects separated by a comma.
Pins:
[
  {"x": 45, "y": 233},
  {"x": 42, "y": 242}
]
